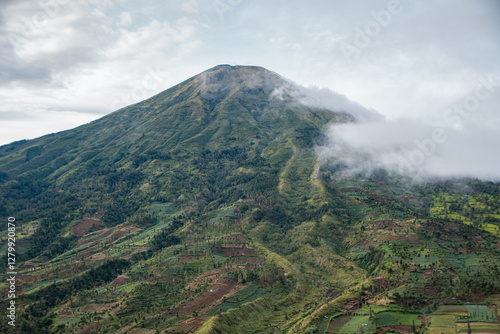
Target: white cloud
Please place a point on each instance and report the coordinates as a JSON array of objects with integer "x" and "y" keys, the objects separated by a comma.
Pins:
[
  {"x": 78, "y": 61},
  {"x": 39, "y": 33},
  {"x": 461, "y": 145}
]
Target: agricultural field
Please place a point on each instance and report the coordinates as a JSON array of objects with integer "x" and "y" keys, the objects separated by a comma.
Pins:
[
  {"x": 464, "y": 318},
  {"x": 370, "y": 317},
  {"x": 378, "y": 258},
  {"x": 201, "y": 278},
  {"x": 481, "y": 210},
  {"x": 358, "y": 324}
]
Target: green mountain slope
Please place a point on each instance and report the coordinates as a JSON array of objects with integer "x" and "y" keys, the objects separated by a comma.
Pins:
[{"x": 205, "y": 208}]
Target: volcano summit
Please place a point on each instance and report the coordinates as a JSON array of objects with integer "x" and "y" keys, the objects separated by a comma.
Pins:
[{"x": 207, "y": 209}]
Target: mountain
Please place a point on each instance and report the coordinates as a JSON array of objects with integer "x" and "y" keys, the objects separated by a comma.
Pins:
[
  {"x": 225, "y": 108},
  {"x": 206, "y": 208}
]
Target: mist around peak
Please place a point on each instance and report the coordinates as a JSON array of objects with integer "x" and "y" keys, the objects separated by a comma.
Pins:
[
  {"x": 416, "y": 149},
  {"x": 324, "y": 98},
  {"x": 462, "y": 140}
]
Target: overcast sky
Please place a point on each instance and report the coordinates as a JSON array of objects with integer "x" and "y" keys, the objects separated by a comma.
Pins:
[{"x": 64, "y": 63}]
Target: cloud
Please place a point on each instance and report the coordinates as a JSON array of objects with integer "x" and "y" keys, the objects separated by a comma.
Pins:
[
  {"x": 323, "y": 98},
  {"x": 48, "y": 41},
  {"x": 328, "y": 99},
  {"x": 83, "y": 58},
  {"x": 462, "y": 142}
]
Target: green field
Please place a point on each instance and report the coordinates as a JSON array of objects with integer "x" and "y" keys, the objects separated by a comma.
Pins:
[
  {"x": 481, "y": 313},
  {"x": 384, "y": 319},
  {"x": 245, "y": 295},
  {"x": 222, "y": 215},
  {"x": 440, "y": 320},
  {"x": 358, "y": 324}
]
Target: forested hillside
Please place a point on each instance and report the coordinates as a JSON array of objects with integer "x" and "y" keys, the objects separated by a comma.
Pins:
[{"x": 206, "y": 209}]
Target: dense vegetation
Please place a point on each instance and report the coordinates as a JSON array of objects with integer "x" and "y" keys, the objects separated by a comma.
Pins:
[{"x": 205, "y": 209}]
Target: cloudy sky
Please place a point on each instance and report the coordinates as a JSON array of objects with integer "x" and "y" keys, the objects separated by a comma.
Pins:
[{"x": 64, "y": 63}]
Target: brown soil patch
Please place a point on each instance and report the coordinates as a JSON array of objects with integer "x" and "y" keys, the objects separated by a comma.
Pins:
[
  {"x": 108, "y": 235},
  {"x": 211, "y": 297},
  {"x": 89, "y": 329},
  {"x": 238, "y": 237},
  {"x": 384, "y": 284},
  {"x": 65, "y": 313},
  {"x": 187, "y": 258},
  {"x": 28, "y": 265},
  {"x": 192, "y": 322},
  {"x": 181, "y": 327},
  {"x": 413, "y": 238},
  {"x": 210, "y": 277},
  {"x": 89, "y": 250},
  {"x": 351, "y": 190},
  {"x": 109, "y": 307},
  {"x": 94, "y": 236},
  {"x": 452, "y": 312},
  {"x": 399, "y": 329},
  {"x": 123, "y": 231},
  {"x": 27, "y": 278},
  {"x": 142, "y": 331},
  {"x": 350, "y": 306},
  {"x": 450, "y": 226},
  {"x": 120, "y": 280},
  {"x": 84, "y": 226},
  {"x": 99, "y": 308},
  {"x": 381, "y": 301},
  {"x": 137, "y": 331},
  {"x": 130, "y": 229},
  {"x": 427, "y": 273},
  {"x": 137, "y": 250},
  {"x": 100, "y": 256},
  {"x": 385, "y": 225}
]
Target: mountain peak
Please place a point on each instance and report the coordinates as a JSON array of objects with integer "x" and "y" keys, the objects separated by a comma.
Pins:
[
  {"x": 238, "y": 68},
  {"x": 230, "y": 78}
]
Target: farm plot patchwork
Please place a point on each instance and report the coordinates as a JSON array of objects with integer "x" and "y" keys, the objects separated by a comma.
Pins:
[
  {"x": 222, "y": 215},
  {"x": 454, "y": 319},
  {"x": 479, "y": 210},
  {"x": 245, "y": 295},
  {"x": 337, "y": 323},
  {"x": 358, "y": 324},
  {"x": 386, "y": 319},
  {"x": 481, "y": 313}
]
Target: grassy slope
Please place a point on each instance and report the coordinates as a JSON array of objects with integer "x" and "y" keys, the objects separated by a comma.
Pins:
[{"x": 207, "y": 169}]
